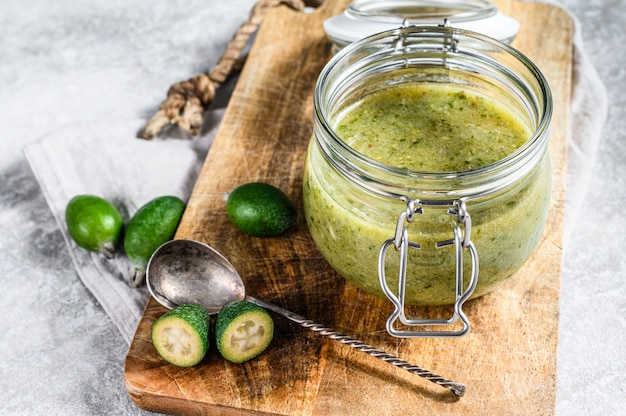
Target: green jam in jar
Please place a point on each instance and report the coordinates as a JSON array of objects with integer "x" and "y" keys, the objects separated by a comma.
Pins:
[
  {"x": 425, "y": 127},
  {"x": 431, "y": 128}
]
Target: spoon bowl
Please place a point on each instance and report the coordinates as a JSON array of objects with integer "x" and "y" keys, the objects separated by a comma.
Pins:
[{"x": 188, "y": 271}]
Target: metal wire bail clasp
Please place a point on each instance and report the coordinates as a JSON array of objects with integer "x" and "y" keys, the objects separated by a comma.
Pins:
[{"x": 461, "y": 241}]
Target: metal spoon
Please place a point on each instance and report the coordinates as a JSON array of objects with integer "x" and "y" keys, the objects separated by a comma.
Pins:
[{"x": 188, "y": 271}]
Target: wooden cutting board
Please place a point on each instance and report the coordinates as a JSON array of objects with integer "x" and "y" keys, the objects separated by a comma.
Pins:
[{"x": 508, "y": 360}]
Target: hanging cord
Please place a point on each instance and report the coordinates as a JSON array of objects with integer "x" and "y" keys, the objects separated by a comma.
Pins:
[{"x": 187, "y": 101}]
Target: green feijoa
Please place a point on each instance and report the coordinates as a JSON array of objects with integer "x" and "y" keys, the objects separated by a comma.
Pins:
[
  {"x": 94, "y": 224},
  {"x": 152, "y": 225},
  {"x": 260, "y": 210},
  {"x": 181, "y": 336},
  {"x": 243, "y": 330}
]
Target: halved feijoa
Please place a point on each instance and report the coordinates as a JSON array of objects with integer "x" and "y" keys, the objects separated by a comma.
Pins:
[
  {"x": 243, "y": 330},
  {"x": 181, "y": 336}
]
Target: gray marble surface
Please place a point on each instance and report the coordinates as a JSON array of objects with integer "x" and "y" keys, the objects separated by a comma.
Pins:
[{"x": 68, "y": 62}]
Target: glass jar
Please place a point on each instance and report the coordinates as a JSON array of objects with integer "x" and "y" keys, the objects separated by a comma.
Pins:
[{"x": 356, "y": 207}]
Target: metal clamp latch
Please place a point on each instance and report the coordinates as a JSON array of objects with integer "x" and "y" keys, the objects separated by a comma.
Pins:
[{"x": 402, "y": 244}]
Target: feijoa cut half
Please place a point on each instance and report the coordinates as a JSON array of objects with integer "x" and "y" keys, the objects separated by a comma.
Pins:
[
  {"x": 152, "y": 225},
  {"x": 181, "y": 336},
  {"x": 260, "y": 209},
  {"x": 94, "y": 224},
  {"x": 243, "y": 330}
]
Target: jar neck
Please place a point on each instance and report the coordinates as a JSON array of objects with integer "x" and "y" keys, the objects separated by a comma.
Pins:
[{"x": 455, "y": 56}]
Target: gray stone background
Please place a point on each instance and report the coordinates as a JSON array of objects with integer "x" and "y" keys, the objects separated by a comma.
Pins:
[{"x": 68, "y": 62}]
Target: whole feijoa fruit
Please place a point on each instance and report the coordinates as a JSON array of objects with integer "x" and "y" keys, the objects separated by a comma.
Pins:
[
  {"x": 152, "y": 225},
  {"x": 260, "y": 209},
  {"x": 94, "y": 224}
]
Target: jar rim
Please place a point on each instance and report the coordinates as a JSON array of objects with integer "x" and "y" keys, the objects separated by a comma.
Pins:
[{"x": 498, "y": 172}]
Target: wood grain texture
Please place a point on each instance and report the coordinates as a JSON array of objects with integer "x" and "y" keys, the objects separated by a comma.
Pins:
[{"x": 508, "y": 360}]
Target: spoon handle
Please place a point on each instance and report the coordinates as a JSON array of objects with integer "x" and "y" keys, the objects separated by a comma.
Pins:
[{"x": 457, "y": 388}]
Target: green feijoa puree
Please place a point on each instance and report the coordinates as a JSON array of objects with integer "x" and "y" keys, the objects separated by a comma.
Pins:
[
  {"x": 433, "y": 129},
  {"x": 436, "y": 129}
]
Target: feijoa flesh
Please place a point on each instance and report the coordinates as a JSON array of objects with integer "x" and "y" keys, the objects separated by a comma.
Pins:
[
  {"x": 181, "y": 336},
  {"x": 152, "y": 225},
  {"x": 260, "y": 209},
  {"x": 94, "y": 224},
  {"x": 243, "y": 330}
]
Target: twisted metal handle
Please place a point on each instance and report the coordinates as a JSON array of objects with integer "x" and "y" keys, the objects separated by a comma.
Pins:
[{"x": 457, "y": 388}]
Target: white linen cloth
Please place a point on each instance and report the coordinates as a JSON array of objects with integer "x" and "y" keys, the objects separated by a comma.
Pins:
[{"x": 108, "y": 160}]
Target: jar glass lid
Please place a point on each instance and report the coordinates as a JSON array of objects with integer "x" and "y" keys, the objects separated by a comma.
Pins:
[{"x": 366, "y": 17}]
